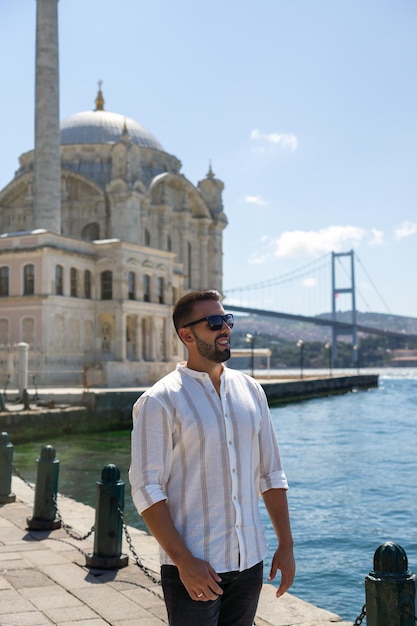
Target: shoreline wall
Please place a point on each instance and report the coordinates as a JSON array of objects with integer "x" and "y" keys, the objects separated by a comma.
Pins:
[{"x": 106, "y": 410}]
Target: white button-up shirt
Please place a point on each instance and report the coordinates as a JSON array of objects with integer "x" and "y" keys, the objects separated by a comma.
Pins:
[{"x": 210, "y": 457}]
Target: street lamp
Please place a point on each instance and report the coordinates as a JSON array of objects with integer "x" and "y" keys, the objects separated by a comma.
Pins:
[
  {"x": 251, "y": 340},
  {"x": 328, "y": 347},
  {"x": 300, "y": 344},
  {"x": 356, "y": 357}
]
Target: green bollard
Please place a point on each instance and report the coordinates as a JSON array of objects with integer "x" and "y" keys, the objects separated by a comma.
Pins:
[
  {"x": 44, "y": 508},
  {"x": 6, "y": 462},
  {"x": 390, "y": 588},
  {"x": 108, "y": 524}
]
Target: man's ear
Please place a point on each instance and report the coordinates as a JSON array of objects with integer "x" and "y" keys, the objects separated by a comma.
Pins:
[{"x": 186, "y": 335}]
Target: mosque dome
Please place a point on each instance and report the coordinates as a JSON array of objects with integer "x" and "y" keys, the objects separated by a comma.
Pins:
[{"x": 100, "y": 126}]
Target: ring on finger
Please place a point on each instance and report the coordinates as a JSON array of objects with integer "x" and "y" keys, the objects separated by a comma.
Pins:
[{"x": 200, "y": 595}]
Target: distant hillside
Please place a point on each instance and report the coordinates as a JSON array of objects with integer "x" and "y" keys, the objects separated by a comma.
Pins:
[{"x": 292, "y": 330}]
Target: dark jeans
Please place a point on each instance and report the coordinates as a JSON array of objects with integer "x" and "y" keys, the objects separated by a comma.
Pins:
[{"x": 236, "y": 607}]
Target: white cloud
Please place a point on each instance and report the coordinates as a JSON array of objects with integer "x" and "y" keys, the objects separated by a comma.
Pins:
[
  {"x": 265, "y": 252},
  {"x": 377, "y": 237},
  {"x": 255, "y": 200},
  {"x": 283, "y": 140},
  {"x": 309, "y": 282},
  {"x": 406, "y": 229},
  {"x": 309, "y": 243}
]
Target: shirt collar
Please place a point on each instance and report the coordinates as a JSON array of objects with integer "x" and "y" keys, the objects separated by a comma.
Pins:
[{"x": 183, "y": 369}]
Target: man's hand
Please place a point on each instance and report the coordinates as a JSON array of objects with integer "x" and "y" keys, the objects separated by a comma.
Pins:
[
  {"x": 200, "y": 579},
  {"x": 283, "y": 560}
]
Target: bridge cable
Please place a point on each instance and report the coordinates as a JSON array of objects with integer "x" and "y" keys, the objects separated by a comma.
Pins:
[
  {"x": 282, "y": 278},
  {"x": 373, "y": 284}
]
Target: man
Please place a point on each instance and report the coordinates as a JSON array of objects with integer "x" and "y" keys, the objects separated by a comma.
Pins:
[{"x": 203, "y": 449}]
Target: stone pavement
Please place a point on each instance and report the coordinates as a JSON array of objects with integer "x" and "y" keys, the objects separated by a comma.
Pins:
[{"x": 44, "y": 578}]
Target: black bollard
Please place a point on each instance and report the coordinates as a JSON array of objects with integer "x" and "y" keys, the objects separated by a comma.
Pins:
[
  {"x": 3, "y": 406},
  {"x": 6, "y": 462},
  {"x": 108, "y": 524},
  {"x": 390, "y": 588},
  {"x": 44, "y": 508},
  {"x": 25, "y": 400}
]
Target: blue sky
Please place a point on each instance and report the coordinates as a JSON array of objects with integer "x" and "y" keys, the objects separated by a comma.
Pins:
[{"x": 307, "y": 111}]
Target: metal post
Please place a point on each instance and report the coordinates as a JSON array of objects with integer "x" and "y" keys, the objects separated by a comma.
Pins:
[
  {"x": 6, "y": 461},
  {"x": 328, "y": 347},
  {"x": 300, "y": 344},
  {"x": 251, "y": 340},
  {"x": 108, "y": 523},
  {"x": 390, "y": 588},
  {"x": 44, "y": 508},
  {"x": 22, "y": 377}
]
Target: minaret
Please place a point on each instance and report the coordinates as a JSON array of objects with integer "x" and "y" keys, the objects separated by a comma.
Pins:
[{"x": 47, "y": 166}]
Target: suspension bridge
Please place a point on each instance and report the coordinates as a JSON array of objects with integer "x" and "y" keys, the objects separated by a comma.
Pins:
[{"x": 342, "y": 280}]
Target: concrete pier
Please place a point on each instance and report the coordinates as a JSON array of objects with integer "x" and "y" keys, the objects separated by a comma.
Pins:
[
  {"x": 44, "y": 578},
  {"x": 76, "y": 410}
]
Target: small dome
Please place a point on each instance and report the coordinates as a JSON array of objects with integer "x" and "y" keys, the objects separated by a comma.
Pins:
[{"x": 93, "y": 127}]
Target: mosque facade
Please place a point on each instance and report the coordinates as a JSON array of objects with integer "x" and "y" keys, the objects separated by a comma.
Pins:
[{"x": 88, "y": 276}]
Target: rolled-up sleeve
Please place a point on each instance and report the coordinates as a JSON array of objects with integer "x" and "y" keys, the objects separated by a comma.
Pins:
[
  {"x": 272, "y": 475},
  {"x": 151, "y": 453}
]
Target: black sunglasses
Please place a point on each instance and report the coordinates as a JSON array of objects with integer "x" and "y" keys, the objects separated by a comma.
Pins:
[{"x": 215, "y": 322}]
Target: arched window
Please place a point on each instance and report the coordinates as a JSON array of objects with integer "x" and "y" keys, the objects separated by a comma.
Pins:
[
  {"x": 175, "y": 295},
  {"x": 147, "y": 288},
  {"x": 59, "y": 280},
  {"x": 4, "y": 281},
  {"x": 147, "y": 237},
  {"x": 91, "y": 232},
  {"x": 73, "y": 282},
  {"x": 107, "y": 285},
  {"x": 28, "y": 330},
  {"x": 87, "y": 284},
  {"x": 169, "y": 244},
  {"x": 160, "y": 290},
  {"x": 131, "y": 285},
  {"x": 29, "y": 280},
  {"x": 4, "y": 331}
]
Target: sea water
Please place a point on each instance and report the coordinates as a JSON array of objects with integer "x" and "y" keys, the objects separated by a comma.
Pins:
[{"x": 351, "y": 463}]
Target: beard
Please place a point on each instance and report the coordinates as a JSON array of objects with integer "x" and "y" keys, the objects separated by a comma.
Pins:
[{"x": 211, "y": 352}]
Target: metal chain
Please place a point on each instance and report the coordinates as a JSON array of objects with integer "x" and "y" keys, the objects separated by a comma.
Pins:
[
  {"x": 358, "y": 621},
  {"x": 67, "y": 528},
  {"x": 138, "y": 562},
  {"x": 19, "y": 475}
]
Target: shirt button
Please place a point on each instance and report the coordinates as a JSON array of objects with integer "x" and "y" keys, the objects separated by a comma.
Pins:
[
  {"x": 233, "y": 470},
  {"x": 230, "y": 443}
]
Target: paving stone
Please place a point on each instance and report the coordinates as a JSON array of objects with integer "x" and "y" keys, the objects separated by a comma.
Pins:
[
  {"x": 110, "y": 604},
  {"x": 32, "y": 618},
  {"x": 11, "y": 599},
  {"x": 21, "y": 579},
  {"x": 75, "y": 613},
  {"x": 51, "y": 597}
]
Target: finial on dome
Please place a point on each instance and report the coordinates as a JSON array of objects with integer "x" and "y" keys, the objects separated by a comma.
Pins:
[
  {"x": 125, "y": 136},
  {"x": 210, "y": 172},
  {"x": 99, "y": 99}
]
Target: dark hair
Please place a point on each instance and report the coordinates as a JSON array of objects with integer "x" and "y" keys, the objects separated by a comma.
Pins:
[{"x": 184, "y": 306}]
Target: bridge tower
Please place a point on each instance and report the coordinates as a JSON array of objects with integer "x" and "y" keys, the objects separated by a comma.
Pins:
[{"x": 335, "y": 292}]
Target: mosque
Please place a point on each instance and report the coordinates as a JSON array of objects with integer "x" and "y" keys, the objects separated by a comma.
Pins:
[{"x": 100, "y": 233}]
